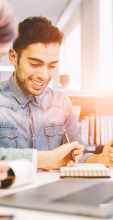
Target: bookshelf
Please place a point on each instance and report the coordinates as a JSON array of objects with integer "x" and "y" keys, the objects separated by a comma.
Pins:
[{"x": 101, "y": 107}]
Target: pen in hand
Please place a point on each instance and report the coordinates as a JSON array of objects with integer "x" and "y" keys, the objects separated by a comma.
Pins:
[{"x": 71, "y": 152}]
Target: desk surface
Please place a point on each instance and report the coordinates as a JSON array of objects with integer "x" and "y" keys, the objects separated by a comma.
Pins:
[{"x": 41, "y": 179}]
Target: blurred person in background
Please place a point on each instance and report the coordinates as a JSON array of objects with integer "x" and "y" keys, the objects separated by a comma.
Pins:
[
  {"x": 8, "y": 32},
  {"x": 8, "y": 28}
]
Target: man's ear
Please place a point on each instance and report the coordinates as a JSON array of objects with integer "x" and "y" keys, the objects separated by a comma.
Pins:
[{"x": 13, "y": 57}]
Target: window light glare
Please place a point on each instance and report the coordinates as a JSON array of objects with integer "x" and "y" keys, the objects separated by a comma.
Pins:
[
  {"x": 6, "y": 68},
  {"x": 105, "y": 44}
]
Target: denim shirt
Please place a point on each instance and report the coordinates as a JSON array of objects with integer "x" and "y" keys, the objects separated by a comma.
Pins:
[{"x": 35, "y": 121}]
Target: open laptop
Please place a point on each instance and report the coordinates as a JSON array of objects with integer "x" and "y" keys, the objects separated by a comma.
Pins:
[{"x": 78, "y": 196}]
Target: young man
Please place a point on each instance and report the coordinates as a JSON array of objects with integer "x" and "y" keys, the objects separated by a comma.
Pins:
[{"x": 32, "y": 115}]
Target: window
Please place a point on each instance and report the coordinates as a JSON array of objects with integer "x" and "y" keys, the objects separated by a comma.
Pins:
[
  {"x": 105, "y": 44},
  {"x": 70, "y": 58}
]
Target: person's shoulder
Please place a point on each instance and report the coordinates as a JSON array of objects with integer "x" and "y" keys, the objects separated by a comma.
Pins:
[
  {"x": 56, "y": 93},
  {"x": 4, "y": 86},
  {"x": 57, "y": 97},
  {"x": 54, "y": 98}
]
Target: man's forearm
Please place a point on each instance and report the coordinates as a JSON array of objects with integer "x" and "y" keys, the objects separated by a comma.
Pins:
[
  {"x": 45, "y": 159},
  {"x": 95, "y": 159}
]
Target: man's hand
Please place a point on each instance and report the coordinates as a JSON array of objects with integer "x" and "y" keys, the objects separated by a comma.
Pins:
[
  {"x": 106, "y": 157},
  {"x": 3, "y": 170},
  {"x": 108, "y": 154},
  {"x": 60, "y": 156}
]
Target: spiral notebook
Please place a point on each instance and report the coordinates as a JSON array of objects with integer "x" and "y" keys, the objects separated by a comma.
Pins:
[{"x": 94, "y": 170}]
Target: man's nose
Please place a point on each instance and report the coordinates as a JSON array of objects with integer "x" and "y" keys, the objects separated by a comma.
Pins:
[{"x": 44, "y": 73}]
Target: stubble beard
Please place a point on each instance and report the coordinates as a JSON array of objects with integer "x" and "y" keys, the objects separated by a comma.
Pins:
[{"x": 23, "y": 85}]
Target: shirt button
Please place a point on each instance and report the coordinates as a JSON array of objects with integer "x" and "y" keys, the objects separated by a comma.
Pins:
[
  {"x": 30, "y": 99},
  {"x": 30, "y": 116},
  {"x": 32, "y": 138},
  {"x": 11, "y": 136}
]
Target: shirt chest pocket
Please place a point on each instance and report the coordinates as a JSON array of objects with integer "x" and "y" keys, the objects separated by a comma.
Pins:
[
  {"x": 8, "y": 136},
  {"x": 54, "y": 135}
]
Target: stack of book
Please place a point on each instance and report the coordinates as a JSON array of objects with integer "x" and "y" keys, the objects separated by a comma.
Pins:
[{"x": 96, "y": 130}]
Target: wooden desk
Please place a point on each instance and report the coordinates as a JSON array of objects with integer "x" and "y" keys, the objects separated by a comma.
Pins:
[{"x": 22, "y": 214}]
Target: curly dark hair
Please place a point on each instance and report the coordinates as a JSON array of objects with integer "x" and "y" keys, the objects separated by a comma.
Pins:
[{"x": 36, "y": 30}]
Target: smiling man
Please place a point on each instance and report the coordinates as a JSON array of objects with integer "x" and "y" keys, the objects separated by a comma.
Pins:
[{"x": 33, "y": 116}]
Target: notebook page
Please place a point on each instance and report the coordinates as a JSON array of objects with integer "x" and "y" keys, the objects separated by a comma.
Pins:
[{"x": 86, "y": 170}]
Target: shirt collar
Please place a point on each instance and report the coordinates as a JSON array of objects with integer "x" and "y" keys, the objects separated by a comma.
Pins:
[{"x": 21, "y": 96}]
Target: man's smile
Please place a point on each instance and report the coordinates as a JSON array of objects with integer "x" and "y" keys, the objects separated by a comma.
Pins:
[{"x": 37, "y": 84}]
